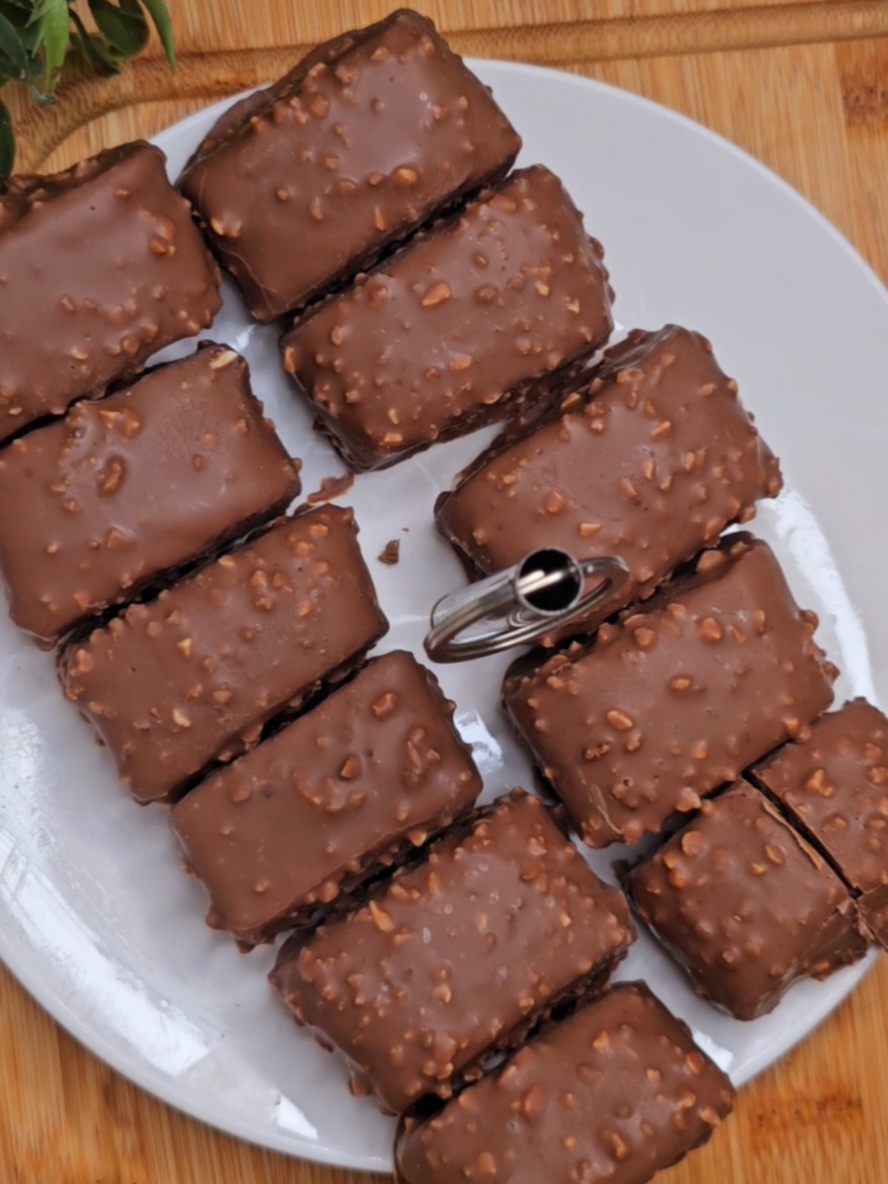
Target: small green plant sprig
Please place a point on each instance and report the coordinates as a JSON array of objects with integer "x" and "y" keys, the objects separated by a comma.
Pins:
[{"x": 36, "y": 37}]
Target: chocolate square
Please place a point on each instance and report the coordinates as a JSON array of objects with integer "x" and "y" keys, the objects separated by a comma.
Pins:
[
  {"x": 307, "y": 182},
  {"x": 650, "y": 464},
  {"x": 100, "y": 267},
  {"x": 835, "y": 786},
  {"x": 192, "y": 677},
  {"x": 100, "y": 505},
  {"x": 675, "y": 700},
  {"x": 610, "y": 1095},
  {"x": 746, "y": 905},
  {"x": 343, "y": 792},
  {"x": 481, "y": 315},
  {"x": 458, "y": 957}
]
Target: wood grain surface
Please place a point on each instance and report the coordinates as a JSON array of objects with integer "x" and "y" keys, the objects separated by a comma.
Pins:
[{"x": 804, "y": 87}]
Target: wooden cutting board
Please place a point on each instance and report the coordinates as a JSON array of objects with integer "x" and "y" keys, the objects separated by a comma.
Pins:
[{"x": 804, "y": 87}]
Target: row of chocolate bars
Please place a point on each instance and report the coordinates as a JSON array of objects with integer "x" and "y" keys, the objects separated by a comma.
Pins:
[{"x": 431, "y": 938}]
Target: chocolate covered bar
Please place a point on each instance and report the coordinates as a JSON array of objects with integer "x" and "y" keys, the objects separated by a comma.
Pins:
[
  {"x": 192, "y": 677},
  {"x": 479, "y": 316},
  {"x": 834, "y": 785},
  {"x": 100, "y": 267},
  {"x": 98, "y": 505},
  {"x": 610, "y": 1095},
  {"x": 306, "y": 183},
  {"x": 650, "y": 464},
  {"x": 312, "y": 813},
  {"x": 676, "y": 700},
  {"x": 746, "y": 905},
  {"x": 459, "y": 956}
]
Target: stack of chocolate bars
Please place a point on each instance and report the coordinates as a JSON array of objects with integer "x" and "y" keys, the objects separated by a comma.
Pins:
[{"x": 458, "y": 957}]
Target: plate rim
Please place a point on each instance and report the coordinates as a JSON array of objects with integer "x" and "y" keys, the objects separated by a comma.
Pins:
[{"x": 124, "y": 1058}]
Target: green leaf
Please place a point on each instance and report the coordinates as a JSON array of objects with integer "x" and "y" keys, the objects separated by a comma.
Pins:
[
  {"x": 54, "y": 37},
  {"x": 7, "y": 144},
  {"x": 125, "y": 28},
  {"x": 18, "y": 11},
  {"x": 160, "y": 14},
  {"x": 13, "y": 55},
  {"x": 103, "y": 58},
  {"x": 20, "y": 18}
]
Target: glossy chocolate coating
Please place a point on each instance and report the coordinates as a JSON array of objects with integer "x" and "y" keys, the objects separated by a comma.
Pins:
[
  {"x": 192, "y": 676},
  {"x": 459, "y": 955},
  {"x": 97, "y": 505},
  {"x": 234, "y": 119},
  {"x": 478, "y": 316},
  {"x": 610, "y": 1095},
  {"x": 650, "y": 464},
  {"x": 306, "y": 183},
  {"x": 835, "y": 785},
  {"x": 343, "y": 791},
  {"x": 676, "y": 700},
  {"x": 746, "y": 905},
  {"x": 100, "y": 267}
]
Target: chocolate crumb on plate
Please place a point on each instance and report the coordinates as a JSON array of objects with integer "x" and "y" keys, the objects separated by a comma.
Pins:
[
  {"x": 391, "y": 553},
  {"x": 191, "y": 677},
  {"x": 745, "y": 904},
  {"x": 650, "y": 463},
  {"x": 834, "y": 785},
  {"x": 121, "y": 492},
  {"x": 344, "y": 792},
  {"x": 459, "y": 956},
  {"x": 363, "y": 141},
  {"x": 331, "y": 488},
  {"x": 102, "y": 266},
  {"x": 483, "y": 314},
  {"x": 675, "y": 700},
  {"x": 610, "y": 1095}
]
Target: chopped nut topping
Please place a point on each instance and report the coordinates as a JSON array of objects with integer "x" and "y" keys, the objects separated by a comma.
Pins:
[
  {"x": 351, "y": 768},
  {"x": 709, "y": 630},
  {"x": 381, "y": 919},
  {"x": 110, "y": 479},
  {"x": 645, "y": 639},
  {"x": 436, "y": 295},
  {"x": 385, "y": 705}
]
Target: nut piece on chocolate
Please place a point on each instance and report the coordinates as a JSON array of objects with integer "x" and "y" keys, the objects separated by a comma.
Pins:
[
  {"x": 307, "y": 816},
  {"x": 193, "y": 676},
  {"x": 610, "y": 1095},
  {"x": 100, "y": 267},
  {"x": 98, "y": 505},
  {"x": 304, "y": 184},
  {"x": 478, "y": 316},
  {"x": 675, "y": 700},
  {"x": 459, "y": 956},
  {"x": 746, "y": 905},
  {"x": 651, "y": 469},
  {"x": 835, "y": 786}
]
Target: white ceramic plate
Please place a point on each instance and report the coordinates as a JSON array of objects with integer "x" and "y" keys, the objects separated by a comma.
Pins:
[{"x": 96, "y": 918}]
